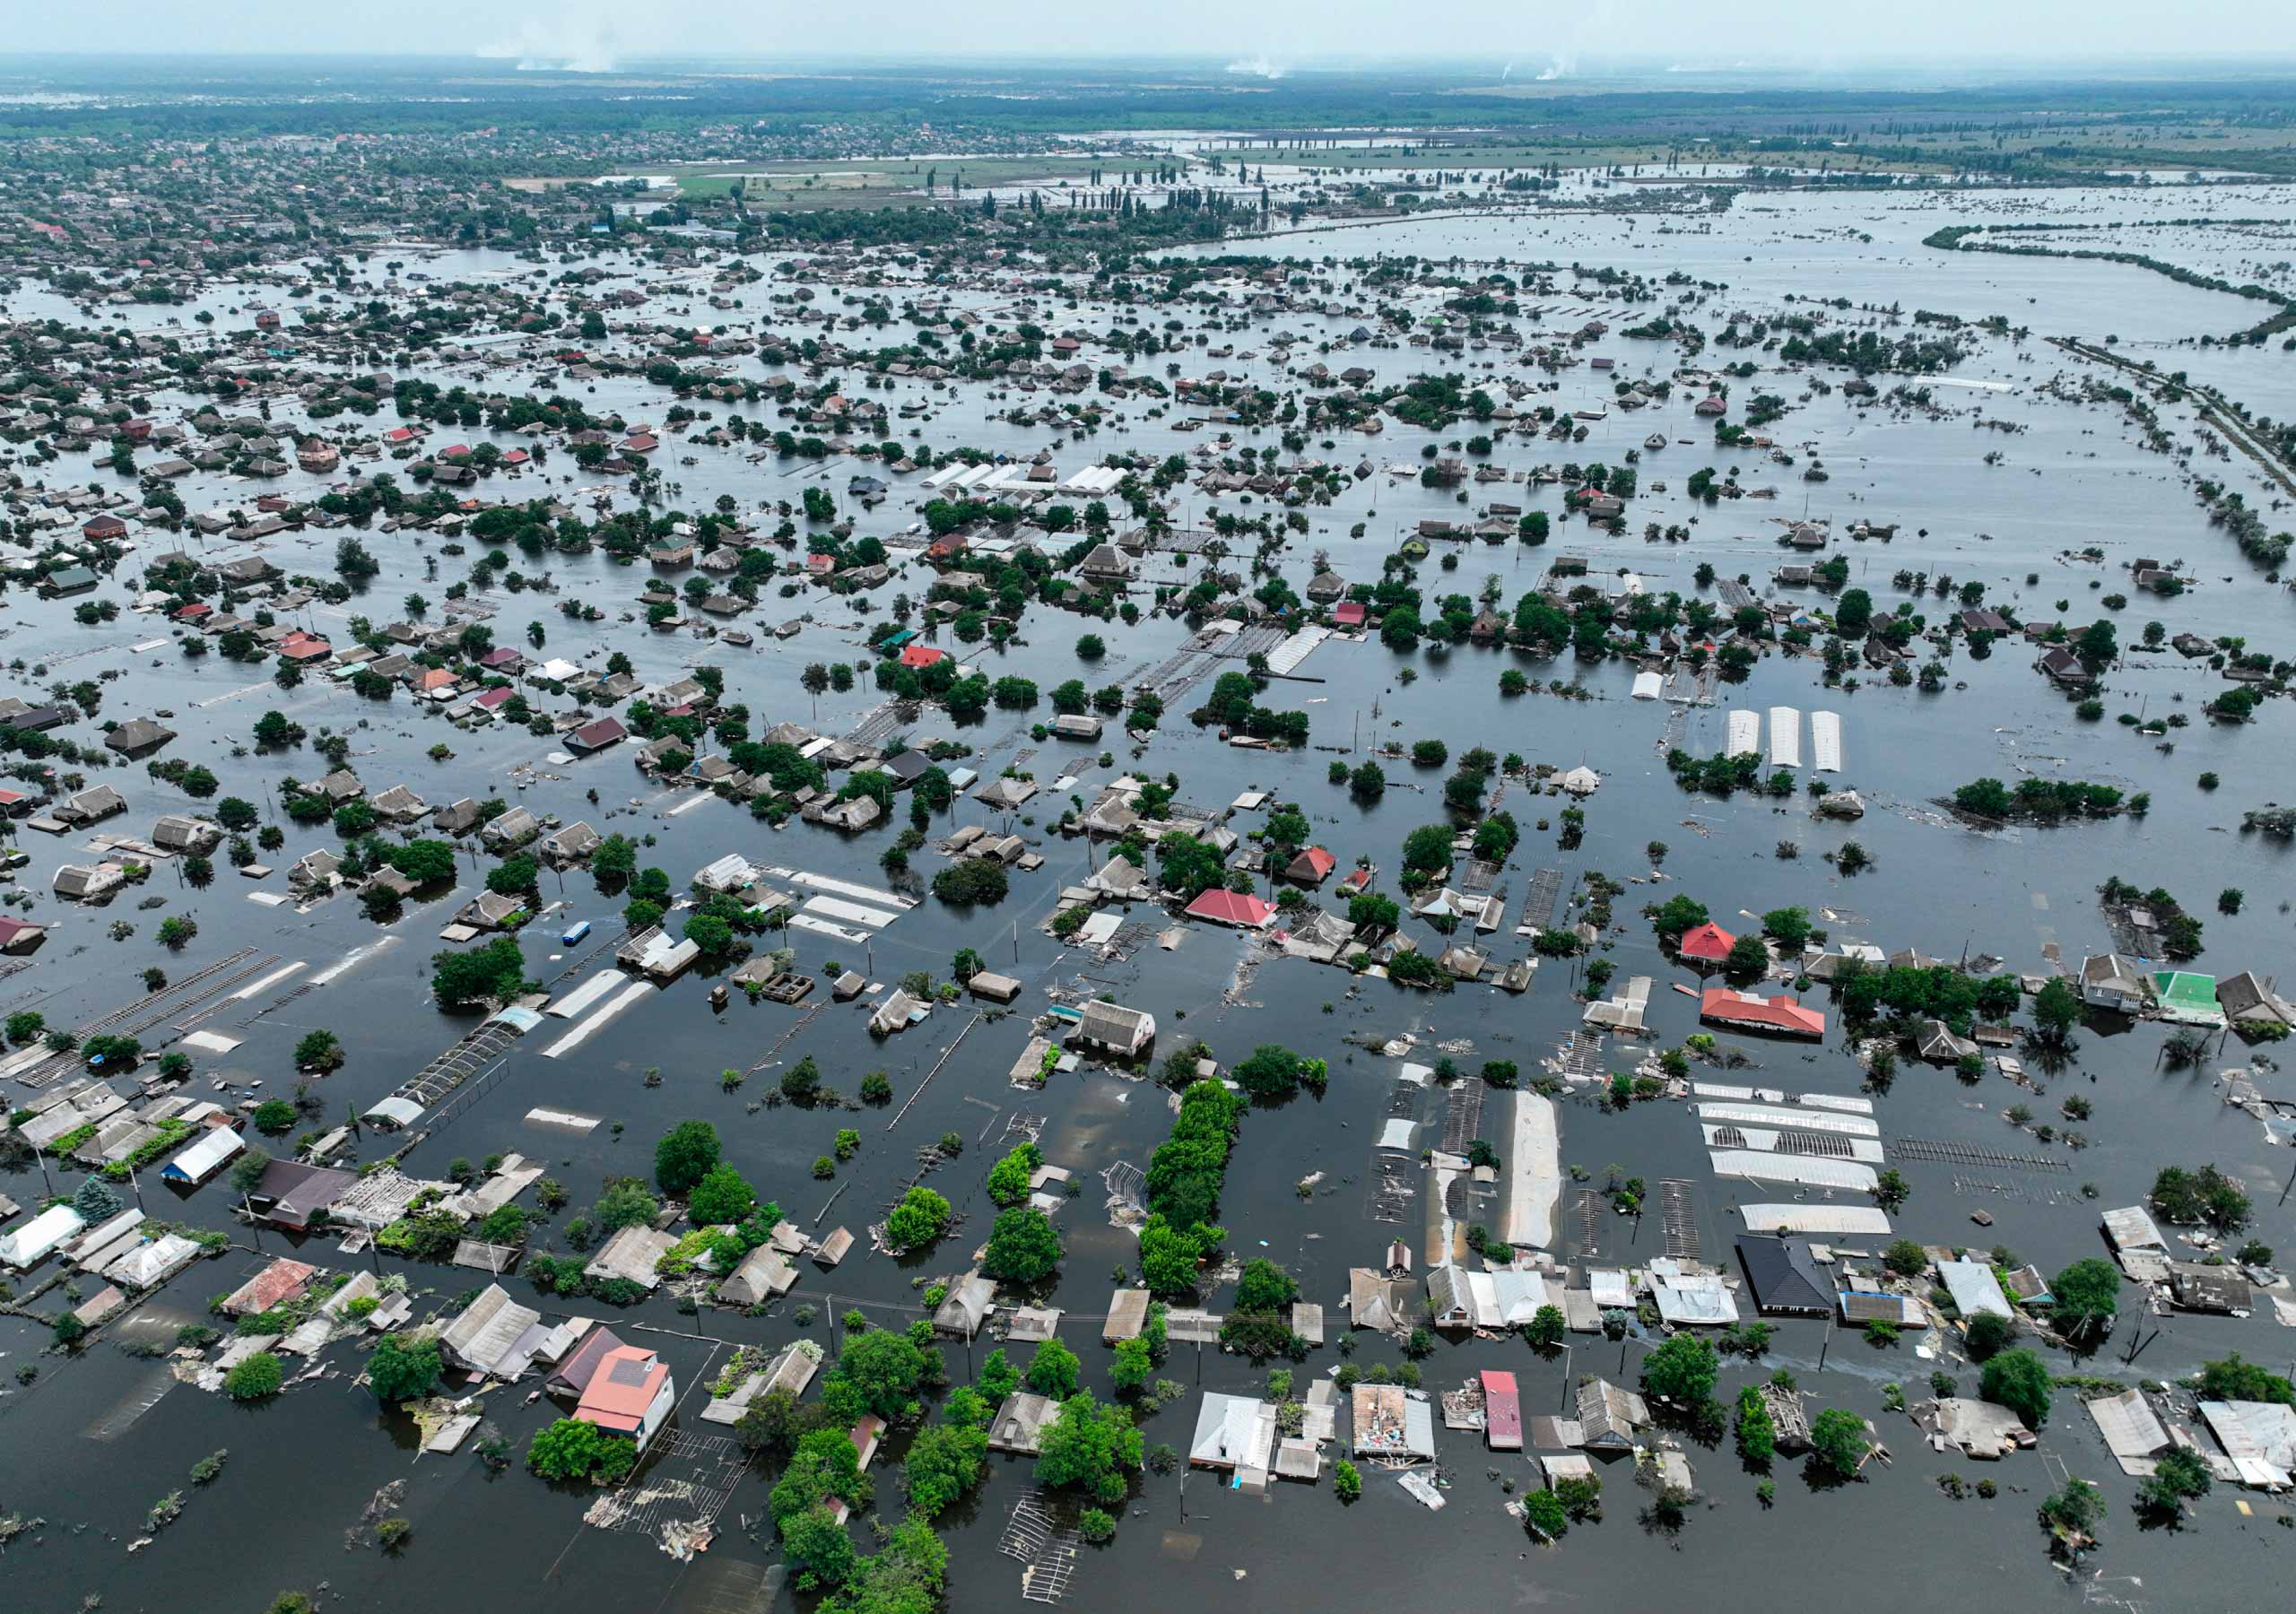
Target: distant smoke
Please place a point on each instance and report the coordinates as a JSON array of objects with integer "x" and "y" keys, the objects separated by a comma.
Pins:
[
  {"x": 569, "y": 45},
  {"x": 1258, "y": 66},
  {"x": 1561, "y": 67}
]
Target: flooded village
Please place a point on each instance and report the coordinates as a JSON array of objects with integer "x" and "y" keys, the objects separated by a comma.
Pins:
[{"x": 773, "y": 859}]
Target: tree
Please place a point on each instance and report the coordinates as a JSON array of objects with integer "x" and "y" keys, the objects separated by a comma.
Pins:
[
  {"x": 1346, "y": 1481},
  {"x": 974, "y": 883},
  {"x": 1265, "y": 1287},
  {"x": 1748, "y": 958},
  {"x": 1683, "y": 1370},
  {"x": 1544, "y": 1516},
  {"x": 1133, "y": 1367},
  {"x": 1010, "y": 1178},
  {"x": 319, "y": 1051},
  {"x": 94, "y": 1202},
  {"x": 1853, "y": 613},
  {"x": 400, "y": 1370},
  {"x": 1272, "y": 1072},
  {"x": 2177, "y": 1476},
  {"x": 1427, "y": 850},
  {"x": 247, "y": 1171},
  {"x": 1839, "y": 1442},
  {"x": 425, "y": 861},
  {"x": 945, "y": 1461},
  {"x": 1789, "y": 927},
  {"x": 1090, "y": 1447},
  {"x": 921, "y": 1218},
  {"x": 2071, "y": 1515},
  {"x": 777, "y": 1421},
  {"x": 2018, "y": 1380},
  {"x": 571, "y": 1449},
  {"x": 495, "y": 971},
  {"x": 1757, "y": 1430},
  {"x": 884, "y": 1368},
  {"x": 817, "y": 1547},
  {"x": 254, "y": 1378},
  {"x": 1052, "y": 1371},
  {"x": 1170, "y": 1257},
  {"x": 1545, "y": 1329},
  {"x": 1987, "y": 1335},
  {"x": 273, "y": 1117},
  {"x": 2233, "y": 1379},
  {"x": 1906, "y": 1258},
  {"x": 2085, "y": 1296},
  {"x": 685, "y": 1155},
  {"x": 722, "y": 1195},
  {"x": 625, "y": 1203},
  {"x": 1022, "y": 1247},
  {"x": 2206, "y": 1195},
  {"x": 1677, "y": 915},
  {"x": 2055, "y": 1010}
]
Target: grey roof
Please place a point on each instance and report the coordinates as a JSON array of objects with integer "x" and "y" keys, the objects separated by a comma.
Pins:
[{"x": 1784, "y": 1275}]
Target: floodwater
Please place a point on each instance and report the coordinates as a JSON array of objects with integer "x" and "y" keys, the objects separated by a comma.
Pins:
[{"x": 90, "y": 1448}]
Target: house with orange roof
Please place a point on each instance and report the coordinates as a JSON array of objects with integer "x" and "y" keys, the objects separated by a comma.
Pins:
[{"x": 630, "y": 1394}]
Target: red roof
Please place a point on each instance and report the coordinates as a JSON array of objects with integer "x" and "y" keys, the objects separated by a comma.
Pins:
[
  {"x": 1780, "y": 1013},
  {"x": 624, "y": 1385},
  {"x": 1233, "y": 907},
  {"x": 1319, "y": 864},
  {"x": 1502, "y": 1412},
  {"x": 921, "y": 655},
  {"x": 1709, "y": 941},
  {"x": 195, "y": 611},
  {"x": 1348, "y": 612}
]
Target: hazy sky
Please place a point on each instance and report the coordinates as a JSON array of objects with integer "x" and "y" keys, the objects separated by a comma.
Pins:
[{"x": 1267, "y": 35}]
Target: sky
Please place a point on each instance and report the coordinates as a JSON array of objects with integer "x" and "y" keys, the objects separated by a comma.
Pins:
[{"x": 1519, "y": 38}]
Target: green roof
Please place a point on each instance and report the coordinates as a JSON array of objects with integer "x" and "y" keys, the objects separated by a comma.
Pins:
[{"x": 2185, "y": 989}]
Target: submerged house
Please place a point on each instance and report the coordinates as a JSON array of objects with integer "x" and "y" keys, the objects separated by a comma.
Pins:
[{"x": 630, "y": 1394}]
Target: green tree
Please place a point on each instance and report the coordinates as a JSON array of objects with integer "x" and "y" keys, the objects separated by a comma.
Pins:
[
  {"x": 2233, "y": 1379},
  {"x": 945, "y": 1461},
  {"x": 1987, "y": 1335},
  {"x": 1090, "y": 1447},
  {"x": 1683, "y": 1370},
  {"x": 1839, "y": 1442},
  {"x": 921, "y": 1218},
  {"x": 817, "y": 1548},
  {"x": 1346, "y": 1481},
  {"x": 722, "y": 1195},
  {"x": 1022, "y": 1247},
  {"x": 461, "y": 979},
  {"x": 884, "y": 1368},
  {"x": 1543, "y": 1514},
  {"x": 1052, "y": 1371},
  {"x": 1545, "y": 1329},
  {"x": 1757, "y": 1432},
  {"x": 2177, "y": 1476},
  {"x": 685, "y": 1155},
  {"x": 402, "y": 1369},
  {"x": 254, "y": 1378},
  {"x": 2084, "y": 1297},
  {"x": 2020, "y": 1380},
  {"x": 2055, "y": 1010},
  {"x": 1271, "y": 1073}
]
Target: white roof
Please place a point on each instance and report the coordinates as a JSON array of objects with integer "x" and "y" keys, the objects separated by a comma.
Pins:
[
  {"x": 1745, "y": 733},
  {"x": 1784, "y": 737},
  {"x": 1825, "y": 742},
  {"x": 204, "y": 1158},
  {"x": 1869, "y": 1220},
  {"x": 1974, "y": 1288},
  {"x": 37, "y": 1239}
]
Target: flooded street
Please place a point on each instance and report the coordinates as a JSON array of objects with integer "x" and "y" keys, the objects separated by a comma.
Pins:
[{"x": 2073, "y": 497}]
